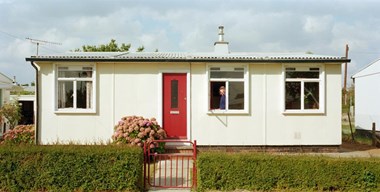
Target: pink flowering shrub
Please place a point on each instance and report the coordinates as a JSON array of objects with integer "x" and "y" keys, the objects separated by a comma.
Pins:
[
  {"x": 21, "y": 134},
  {"x": 135, "y": 130}
]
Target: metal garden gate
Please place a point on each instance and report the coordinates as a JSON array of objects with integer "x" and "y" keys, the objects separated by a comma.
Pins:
[{"x": 168, "y": 168}]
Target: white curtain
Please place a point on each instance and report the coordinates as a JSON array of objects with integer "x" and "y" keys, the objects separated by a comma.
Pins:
[
  {"x": 88, "y": 94},
  {"x": 61, "y": 94}
]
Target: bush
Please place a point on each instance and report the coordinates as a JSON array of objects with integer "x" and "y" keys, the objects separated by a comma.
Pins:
[
  {"x": 70, "y": 168},
  {"x": 21, "y": 134},
  {"x": 12, "y": 112},
  {"x": 280, "y": 172},
  {"x": 135, "y": 130}
]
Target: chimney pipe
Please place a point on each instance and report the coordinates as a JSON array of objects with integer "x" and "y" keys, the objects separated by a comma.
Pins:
[
  {"x": 221, "y": 34},
  {"x": 14, "y": 80}
]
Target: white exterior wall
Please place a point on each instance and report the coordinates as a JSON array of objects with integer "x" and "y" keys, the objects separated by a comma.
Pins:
[
  {"x": 84, "y": 128},
  {"x": 122, "y": 89},
  {"x": 266, "y": 124},
  {"x": 234, "y": 129},
  {"x": 367, "y": 104},
  {"x": 125, "y": 89},
  {"x": 304, "y": 129}
]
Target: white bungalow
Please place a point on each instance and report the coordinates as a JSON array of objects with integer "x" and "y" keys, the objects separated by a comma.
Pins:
[
  {"x": 272, "y": 99},
  {"x": 367, "y": 104}
]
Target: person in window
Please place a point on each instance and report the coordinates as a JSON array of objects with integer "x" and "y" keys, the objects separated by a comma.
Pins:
[{"x": 222, "y": 103}]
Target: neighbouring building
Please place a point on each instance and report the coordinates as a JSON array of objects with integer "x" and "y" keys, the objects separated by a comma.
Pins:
[
  {"x": 6, "y": 85},
  {"x": 271, "y": 99},
  {"x": 367, "y": 104},
  {"x": 25, "y": 95}
]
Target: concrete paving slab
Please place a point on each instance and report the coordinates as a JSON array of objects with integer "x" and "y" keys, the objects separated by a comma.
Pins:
[{"x": 172, "y": 172}]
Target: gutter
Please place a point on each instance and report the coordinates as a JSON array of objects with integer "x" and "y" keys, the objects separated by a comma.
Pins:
[{"x": 37, "y": 115}]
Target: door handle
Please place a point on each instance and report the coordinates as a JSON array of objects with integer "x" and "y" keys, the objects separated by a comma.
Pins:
[{"x": 174, "y": 112}]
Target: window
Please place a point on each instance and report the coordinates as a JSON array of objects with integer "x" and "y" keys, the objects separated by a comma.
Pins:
[
  {"x": 303, "y": 89},
  {"x": 228, "y": 89},
  {"x": 75, "y": 88},
  {"x": 174, "y": 94}
]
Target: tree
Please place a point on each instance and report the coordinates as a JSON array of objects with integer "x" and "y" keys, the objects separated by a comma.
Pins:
[
  {"x": 12, "y": 112},
  {"x": 112, "y": 46},
  {"x": 309, "y": 52},
  {"x": 140, "y": 49}
]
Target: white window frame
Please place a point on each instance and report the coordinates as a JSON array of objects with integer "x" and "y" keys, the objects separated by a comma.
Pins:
[
  {"x": 228, "y": 67},
  {"x": 71, "y": 79},
  {"x": 322, "y": 87}
]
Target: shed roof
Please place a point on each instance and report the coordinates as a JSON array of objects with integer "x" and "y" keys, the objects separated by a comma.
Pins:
[
  {"x": 188, "y": 57},
  {"x": 371, "y": 69}
]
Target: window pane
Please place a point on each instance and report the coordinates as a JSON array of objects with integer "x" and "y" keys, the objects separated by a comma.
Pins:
[
  {"x": 227, "y": 74},
  {"x": 293, "y": 95},
  {"x": 84, "y": 94},
  {"x": 65, "y": 94},
  {"x": 215, "y": 97},
  {"x": 311, "y": 92},
  {"x": 174, "y": 94},
  {"x": 77, "y": 74},
  {"x": 236, "y": 95},
  {"x": 303, "y": 74}
]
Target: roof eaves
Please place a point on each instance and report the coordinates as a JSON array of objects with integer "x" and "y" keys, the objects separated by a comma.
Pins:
[{"x": 192, "y": 59}]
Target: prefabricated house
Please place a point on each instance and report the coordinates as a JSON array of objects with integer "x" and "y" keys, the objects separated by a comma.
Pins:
[
  {"x": 6, "y": 84},
  {"x": 271, "y": 99},
  {"x": 367, "y": 104}
]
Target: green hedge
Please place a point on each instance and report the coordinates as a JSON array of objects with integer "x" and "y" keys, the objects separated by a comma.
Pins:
[
  {"x": 253, "y": 171},
  {"x": 70, "y": 168}
]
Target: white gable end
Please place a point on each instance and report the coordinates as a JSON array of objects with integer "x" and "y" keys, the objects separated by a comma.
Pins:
[
  {"x": 5, "y": 82},
  {"x": 371, "y": 69}
]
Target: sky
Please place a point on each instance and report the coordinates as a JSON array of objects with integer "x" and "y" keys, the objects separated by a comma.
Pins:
[{"x": 320, "y": 26}]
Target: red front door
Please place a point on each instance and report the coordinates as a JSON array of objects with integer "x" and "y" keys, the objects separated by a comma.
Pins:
[{"x": 174, "y": 105}]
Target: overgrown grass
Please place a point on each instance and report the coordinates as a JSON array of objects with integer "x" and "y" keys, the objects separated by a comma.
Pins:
[{"x": 359, "y": 138}]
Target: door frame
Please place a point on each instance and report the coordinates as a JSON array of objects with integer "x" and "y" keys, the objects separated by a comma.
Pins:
[{"x": 160, "y": 102}]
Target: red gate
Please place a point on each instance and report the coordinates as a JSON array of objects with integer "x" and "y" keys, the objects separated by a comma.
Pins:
[{"x": 170, "y": 169}]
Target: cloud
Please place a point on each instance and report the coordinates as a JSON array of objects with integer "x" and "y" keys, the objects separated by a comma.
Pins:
[{"x": 316, "y": 25}]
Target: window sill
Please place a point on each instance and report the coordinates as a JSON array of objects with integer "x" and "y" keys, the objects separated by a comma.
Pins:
[
  {"x": 75, "y": 111},
  {"x": 303, "y": 112},
  {"x": 229, "y": 112}
]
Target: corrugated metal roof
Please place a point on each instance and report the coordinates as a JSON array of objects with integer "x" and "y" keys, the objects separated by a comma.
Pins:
[{"x": 175, "y": 56}]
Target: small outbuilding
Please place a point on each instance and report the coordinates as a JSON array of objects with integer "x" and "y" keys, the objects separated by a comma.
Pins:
[
  {"x": 367, "y": 103},
  {"x": 270, "y": 99}
]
